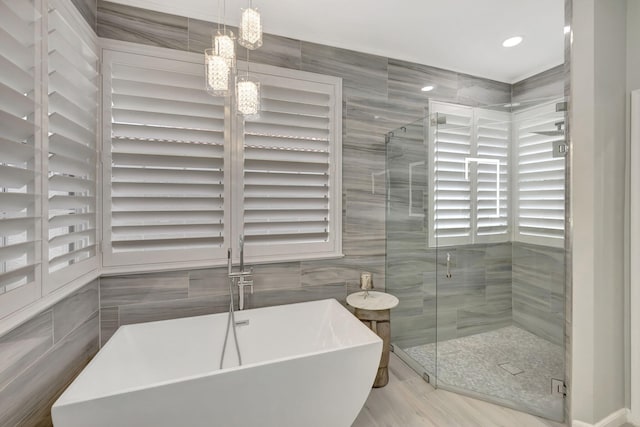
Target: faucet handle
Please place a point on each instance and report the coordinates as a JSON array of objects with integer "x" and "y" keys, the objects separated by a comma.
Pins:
[{"x": 242, "y": 283}]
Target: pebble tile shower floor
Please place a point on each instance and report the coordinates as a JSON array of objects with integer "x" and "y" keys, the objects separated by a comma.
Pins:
[{"x": 510, "y": 364}]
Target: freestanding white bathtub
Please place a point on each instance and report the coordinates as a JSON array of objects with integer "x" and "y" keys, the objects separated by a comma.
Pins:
[{"x": 308, "y": 364}]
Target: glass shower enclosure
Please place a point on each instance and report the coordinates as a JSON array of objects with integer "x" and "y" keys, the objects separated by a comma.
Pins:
[{"x": 475, "y": 250}]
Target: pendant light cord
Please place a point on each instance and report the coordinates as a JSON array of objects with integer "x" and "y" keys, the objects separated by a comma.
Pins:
[
  {"x": 224, "y": 16},
  {"x": 248, "y": 64},
  {"x": 219, "y": 16},
  {"x": 250, "y": 7}
]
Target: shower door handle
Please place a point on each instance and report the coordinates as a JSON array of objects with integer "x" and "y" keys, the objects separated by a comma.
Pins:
[{"x": 448, "y": 265}]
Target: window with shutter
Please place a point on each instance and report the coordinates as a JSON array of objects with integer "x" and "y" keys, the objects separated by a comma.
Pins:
[
  {"x": 165, "y": 162},
  {"x": 493, "y": 145},
  {"x": 450, "y": 190},
  {"x": 171, "y": 173},
  {"x": 291, "y": 169},
  {"x": 19, "y": 155},
  {"x": 469, "y": 165},
  {"x": 73, "y": 109},
  {"x": 540, "y": 177}
]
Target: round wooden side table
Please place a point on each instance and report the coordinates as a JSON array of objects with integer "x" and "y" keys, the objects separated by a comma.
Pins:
[{"x": 374, "y": 311}]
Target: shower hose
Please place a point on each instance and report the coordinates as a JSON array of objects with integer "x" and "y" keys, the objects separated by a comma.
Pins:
[{"x": 231, "y": 320}]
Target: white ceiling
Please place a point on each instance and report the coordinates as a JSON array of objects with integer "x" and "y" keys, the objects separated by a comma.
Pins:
[{"x": 459, "y": 35}]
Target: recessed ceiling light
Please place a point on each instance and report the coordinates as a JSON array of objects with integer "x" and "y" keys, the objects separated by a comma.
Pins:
[
  {"x": 427, "y": 88},
  {"x": 567, "y": 29},
  {"x": 512, "y": 41}
]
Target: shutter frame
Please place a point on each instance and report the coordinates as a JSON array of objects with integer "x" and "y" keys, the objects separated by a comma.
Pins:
[
  {"x": 72, "y": 229},
  {"x": 20, "y": 217},
  {"x": 308, "y": 105},
  {"x": 539, "y": 185},
  {"x": 493, "y": 142},
  {"x": 208, "y": 195},
  {"x": 447, "y": 149}
]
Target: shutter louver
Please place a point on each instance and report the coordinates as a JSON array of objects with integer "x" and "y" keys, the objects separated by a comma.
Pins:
[
  {"x": 167, "y": 159},
  {"x": 540, "y": 179},
  {"x": 73, "y": 109},
  {"x": 19, "y": 154},
  {"x": 493, "y": 136},
  {"x": 451, "y": 145},
  {"x": 288, "y": 166}
]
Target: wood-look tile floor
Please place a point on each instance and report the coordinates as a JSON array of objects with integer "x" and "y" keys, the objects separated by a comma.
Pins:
[{"x": 408, "y": 401}]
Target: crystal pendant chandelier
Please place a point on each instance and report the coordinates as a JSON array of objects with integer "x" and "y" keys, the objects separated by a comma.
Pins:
[
  {"x": 224, "y": 45},
  {"x": 248, "y": 97},
  {"x": 250, "y": 32},
  {"x": 217, "y": 73},
  {"x": 220, "y": 60},
  {"x": 250, "y": 37}
]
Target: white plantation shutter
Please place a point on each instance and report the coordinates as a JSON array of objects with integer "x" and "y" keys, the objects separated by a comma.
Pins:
[
  {"x": 73, "y": 109},
  {"x": 493, "y": 143},
  {"x": 19, "y": 155},
  {"x": 450, "y": 192},
  {"x": 166, "y": 161},
  {"x": 540, "y": 178},
  {"x": 469, "y": 169},
  {"x": 291, "y": 176}
]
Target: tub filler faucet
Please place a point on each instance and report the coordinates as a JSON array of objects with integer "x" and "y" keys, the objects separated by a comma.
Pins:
[{"x": 242, "y": 278}]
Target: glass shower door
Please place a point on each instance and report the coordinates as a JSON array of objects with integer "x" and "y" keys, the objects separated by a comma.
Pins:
[
  {"x": 496, "y": 215},
  {"x": 475, "y": 251},
  {"x": 410, "y": 264}
]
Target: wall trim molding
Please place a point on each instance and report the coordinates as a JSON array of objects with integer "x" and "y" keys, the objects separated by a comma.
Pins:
[{"x": 615, "y": 419}]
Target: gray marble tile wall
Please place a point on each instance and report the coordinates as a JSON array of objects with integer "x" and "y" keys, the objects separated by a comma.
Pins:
[
  {"x": 89, "y": 10},
  {"x": 379, "y": 94},
  {"x": 538, "y": 290},
  {"x": 546, "y": 85},
  {"x": 39, "y": 358},
  {"x": 143, "y": 26},
  {"x": 410, "y": 265},
  {"x": 160, "y": 296},
  {"x": 476, "y": 298}
]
